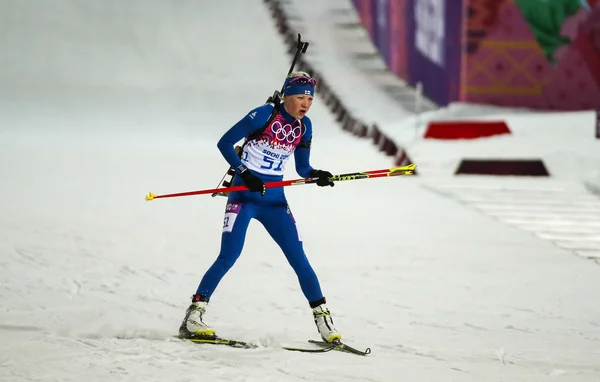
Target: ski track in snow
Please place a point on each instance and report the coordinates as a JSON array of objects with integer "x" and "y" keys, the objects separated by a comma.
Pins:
[{"x": 567, "y": 217}]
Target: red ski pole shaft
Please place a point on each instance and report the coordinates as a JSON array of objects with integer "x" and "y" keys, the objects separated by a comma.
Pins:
[
  {"x": 282, "y": 183},
  {"x": 403, "y": 170}
]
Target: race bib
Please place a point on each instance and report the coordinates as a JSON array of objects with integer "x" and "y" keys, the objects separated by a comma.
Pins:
[
  {"x": 231, "y": 212},
  {"x": 269, "y": 153}
]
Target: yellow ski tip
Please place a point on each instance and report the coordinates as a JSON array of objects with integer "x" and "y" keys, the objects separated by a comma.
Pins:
[
  {"x": 408, "y": 167},
  {"x": 150, "y": 196},
  {"x": 403, "y": 170}
]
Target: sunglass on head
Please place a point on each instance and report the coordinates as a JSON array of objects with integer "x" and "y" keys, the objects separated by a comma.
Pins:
[{"x": 304, "y": 80}]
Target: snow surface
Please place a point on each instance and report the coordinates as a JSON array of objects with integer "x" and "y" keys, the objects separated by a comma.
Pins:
[{"x": 440, "y": 276}]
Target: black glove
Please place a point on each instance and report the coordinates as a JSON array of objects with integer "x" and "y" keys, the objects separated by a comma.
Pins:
[
  {"x": 253, "y": 183},
  {"x": 323, "y": 178}
]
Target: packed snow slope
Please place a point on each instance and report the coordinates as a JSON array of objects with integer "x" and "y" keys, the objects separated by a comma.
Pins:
[{"x": 102, "y": 102}]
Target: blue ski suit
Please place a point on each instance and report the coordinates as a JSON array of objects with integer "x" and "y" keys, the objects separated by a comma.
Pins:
[{"x": 266, "y": 156}]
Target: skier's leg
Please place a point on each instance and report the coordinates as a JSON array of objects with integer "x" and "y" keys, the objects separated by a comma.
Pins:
[
  {"x": 235, "y": 225},
  {"x": 280, "y": 223}
]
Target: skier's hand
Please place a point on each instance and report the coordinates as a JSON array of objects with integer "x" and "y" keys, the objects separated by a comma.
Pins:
[
  {"x": 323, "y": 177},
  {"x": 253, "y": 183}
]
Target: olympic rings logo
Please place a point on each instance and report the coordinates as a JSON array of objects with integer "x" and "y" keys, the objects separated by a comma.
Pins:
[{"x": 286, "y": 132}]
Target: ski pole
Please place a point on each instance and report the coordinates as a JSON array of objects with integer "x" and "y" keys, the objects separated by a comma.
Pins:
[{"x": 394, "y": 171}]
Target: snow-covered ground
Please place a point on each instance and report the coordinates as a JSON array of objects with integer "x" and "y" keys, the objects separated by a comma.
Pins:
[{"x": 100, "y": 104}]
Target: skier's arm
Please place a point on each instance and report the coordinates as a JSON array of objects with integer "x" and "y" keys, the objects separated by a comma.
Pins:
[
  {"x": 254, "y": 120},
  {"x": 302, "y": 153}
]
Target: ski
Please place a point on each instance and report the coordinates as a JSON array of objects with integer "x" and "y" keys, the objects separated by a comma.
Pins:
[
  {"x": 340, "y": 346},
  {"x": 247, "y": 345},
  {"x": 324, "y": 347},
  {"x": 214, "y": 340}
]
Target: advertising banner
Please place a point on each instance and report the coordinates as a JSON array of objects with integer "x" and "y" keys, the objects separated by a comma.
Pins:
[
  {"x": 531, "y": 53},
  {"x": 381, "y": 28},
  {"x": 397, "y": 58},
  {"x": 433, "y": 47},
  {"x": 386, "y": 21},
  {"x": 517, "y": 53}
]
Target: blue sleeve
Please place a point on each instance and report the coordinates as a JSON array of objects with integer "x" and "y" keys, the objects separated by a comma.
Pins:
[
  {"x": 302, "y": 153},
  {"x": 254, "y": 120}
]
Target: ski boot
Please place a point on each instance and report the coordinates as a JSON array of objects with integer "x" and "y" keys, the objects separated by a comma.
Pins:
[
  {"x": 192, "y": 325},
  {"x": 325, "y": 324}
]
